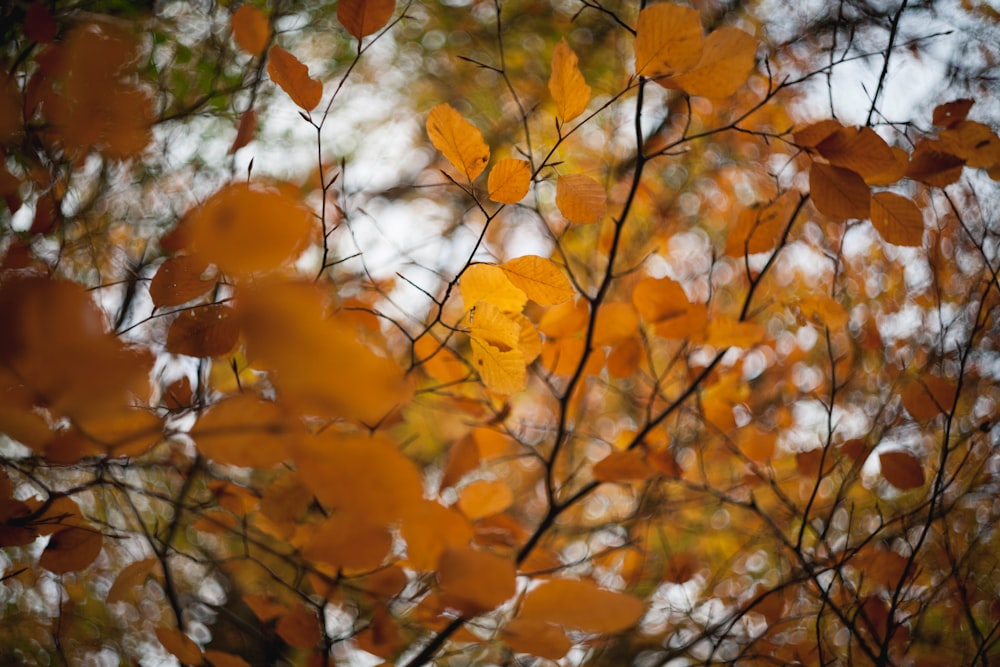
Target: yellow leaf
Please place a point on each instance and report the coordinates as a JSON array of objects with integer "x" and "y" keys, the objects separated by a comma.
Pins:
[
  {"x": 509, "y": 180},
  {"x": 581, "y": 605},
  {"x": 580, "y": 198},
  {"x": 180, "y": 645},
  {"x": 459, "y": 141},
  {"x": 725, "y": 65},
  {"x": 566, "y": 83},
  {"x": 489, "y": 324},
  {"x": 529, "y": 342},
  {"x": 540, "y": 279},
  {"x": 897, "y": 219},
  {"x": 838, "y": 192},
  {"x": 475, "y": 581},
  {"x": 502, "y": 371},
  {"x": 861, "y": 150},
  {"x": 244, "y": 229},
  {"x": 364, "y": 17},
  {"x": 484, "y": 498},
  {"x": 902, "y": 469},
  {"x": 71, "y": 549},
  {"x": 251, "y": 29},
  {"x": 668, "y": 40},
  {"x": 132, "y": 575},
  {"x": 288, "y": 72},
  {"x": 489, "y": 283}
]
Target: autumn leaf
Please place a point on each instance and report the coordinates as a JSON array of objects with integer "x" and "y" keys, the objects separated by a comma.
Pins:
[
  {"x": 509, "y": 181},
  {"x": 71, "y": 549},
  {"x": 933, "y": 164},
  {"x": 134, "y": 574},
  {"x": 902, "y": 469},
  {"x": 475, "y": 581},
  {"x": 951, "y": 113},
  {"x": 206, "y": 331},
  {"x": 459, "y": 141},
  {"x": 668, "y": 40},
  {"x": 299, "y": 627},
  {"x": 929, "y": 396},
  {"x": 223, "y": 659},
  {"x": 489, "y": 283},
  {"x": 859, "y": 149},
  {"x": 484, "y": 498},
  {"x": 759, "y": 228},
  {"x": 502, "y": 371},
  {"x": 288, "y": 72},
  {"x": 179, "y": 280},
  {"x": 251, "y": 29},
  {"x": 244, "y": 430},
  {"x": 539, "y": 278},
  {"x": 566, "y": 83},
  {"x": 245, "y": 131},
  {"x": 581, "y": 605},
  {"x": 489, "y": 324},
  {"x": 537, "y": 638},
  {"x": 363, "y": 17},
  {"x": 897, "y": 219},
  {"x": 627, "y": 466},
  {"x": 580, "y": 198},
  {"x": 726, "y": 62},
  {"x": 838, "y": 192},
  {"x": 180, "y": 645}
]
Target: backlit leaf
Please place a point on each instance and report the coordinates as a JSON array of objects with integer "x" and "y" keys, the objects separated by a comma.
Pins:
[
  {"x": 475, "y": 581},
  {"x": 502, "y": 371},
  {"x": 540, "y": 279},
  {"x": 134, "y": 574},
  {"x": 363, "y": 17},
  {"x": 759, "y": 228},
  {"x": 299, "y": 627},
  {"x": 668, "y": 40},
  {"x": 429, "y": 528},
  {"x": 288, "y": 72},
  {"x": 725, "y": 65},
  {"x": 347, "y": 541},
  {"x": 838, "y": 192},
  {"x": 539, "y": 638},
  {"x": 251, "y": 29},
  {"x": 616, "y": 322},
  {"x": 244, "y": 229},
  {"x": 726, "y": 332},
  {"x": 897, "y": 219},
  {"x": 581, "y": 605},
  {"x": 627, "y": 466},
  {"x": 929, "y": 396},
  {"x": 71, "y": 550},
  {"x": 812, "y": 135},
  {"x": 490, "y": 325},
  {"x": 489, "y": 283},
  {"x": 580, "y": 198},
  {"x": 859, "y": 149},
  {"x": 509, "y": 180},
  {"x": 459, "y": 141},
  {"x": 180, "y": 645},
  {"x": 902, "y": 469},
  {"x": 974, "y": 142},
  {"x": 566, "y": 83},
  {"x": 484, "y": 498},
  {"x": 659, "y": 298},
  {"x": 245, "y": 431},
  {"x": 206, "y": 331},
  {"x": 933, "y": 164},
  {"x": 529, "y": 342},
  {"x": 179, "y": 280}
]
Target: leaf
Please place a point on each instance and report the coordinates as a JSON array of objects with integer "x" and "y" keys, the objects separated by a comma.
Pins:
[
  {"x": 222, "y": 659},
  {"x": 363, "y": 17},
  {"x": 539, "y": 638},
  {"x": 484, "y": 498},
  {"x": 897, "y": 219},
  {"x": 581, "y": 605},
  {"x": 931, "y": 163},
  {"x": 509, "y": 180},
  {"x": 539, "y": 278},
  {"x": 668, "y": 40},
  {"x": 459, "y": 141},
  {"x": 71, "y": 550},
  {"x": 725, "y": 65},
  {"x": 463, "y": 457},
  {"x": 727, "y": 332},
  {"x": 812, "y": 135},
  {"x": 180, "y": 645},
  {"x": 974, "y": 142},
  {"x": 859, "y": 149},
  {"x": 299, "y": 627},
  {"x": 490, "y": 325},
  {"x": 243, "y": 430},
  {"x": 759, "y": 228},
  {"x": 502, "y": 371},
  {"x": 245, "y": 130},
  {"x": 132, "y": 575},
  {"x": 566, "y": 83},
  {"x": 179, "y": 280},
  {"x": 627, "y": 466},
  {"x": 244, "y": 230},
  {"x": 489, "y": 283},
  {"x": 952, "y": 113},
  {"x": 838, "y": 192},
  {"x": 429, "y": 528},
  {"x": 251, "y": 29},
  {"x": 475, "y": 581},
  {"x": 929, "y": 396},
  {"x": 616, "y": 322},
  {"x": 348, "y": 541},
  {"x": 902, "y": 469},
  {"x": 288, "y": 72},
  {"x": 580, "y": 199},
  {"x": 659, "y": 298},
  {"x": 206, "y": 331}
]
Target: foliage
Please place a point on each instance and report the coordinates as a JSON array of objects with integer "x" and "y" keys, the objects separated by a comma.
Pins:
[{"x": 480, "y": 334}]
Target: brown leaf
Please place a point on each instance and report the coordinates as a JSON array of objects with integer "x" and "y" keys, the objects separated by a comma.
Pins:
[
  {"x": 205, "y": 331},
  {"x": 288, "y": 72},
  {"x": 838, "y": 192},
  {"x": 251, "y": 29},
  {"x": 179, "y": 280},
  {"x": 71, "y": 549},
  {"x": 363, "y": 17},
  {"x": 897, "y": 219},
  {"x": 902, "y": 469}
]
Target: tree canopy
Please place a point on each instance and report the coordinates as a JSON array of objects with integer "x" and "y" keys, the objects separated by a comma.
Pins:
[{"x": 499, "y": 332}]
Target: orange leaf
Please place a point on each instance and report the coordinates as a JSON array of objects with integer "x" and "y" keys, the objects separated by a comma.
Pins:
[
  {"x": 463, "y": 457},
  {"x": 951, "y": 113},
  {"x": 897, "y": 219},
  {"x": 348, "y": 541},
  {"x": 758, "y": 228},
  {"x": 933, "y": 164},
  {"x": 659, "y": 298},
  {"x": 206, "y": 331},
  {"x": 299, "y": 627},
  {"x": 364, "y": 17},
  {"x": 859, "y": 149},
  {"x": 974, "y": 142},
  {"x": 178, "y": 280},
  {"x": 490, "y": 325},
  {"x": 429, "y": 528},
  {"x": 222, "y": 659},
  {"x": 251, "y": 29},
  {"x": 484, "y": 498},
  {"x": 537, "y": 638},
  {"x": 725, "y": 65},
  {"x": 288, "y": 72},
  {"x": 616, "y": 322},
  {"x": 581, "y": 605},
  {"x": 566, "y": 83},
  {"x": 71, "y": 549},
  {"x": 838, "y": 192},
  {"x": 929, "y": 396},
  {"x": 509, "y": 180},
  {"x": 626, "y": 357},
  {"x": 489, "y": 283},
  {"x": 628, "y": 466},
  {"x": 244, "y": 431},
  {"x": 459, "y": 141},
  {"x": 180, "y": 645},
  {"x": 540, "y": 279},
  {"x": 668, "y": 40},
  {"x": 502, "y": 371},
  {"x": 475, "y": 581},
  {"x": 132, "y": 575},
  {"x": 244, "y": 229},
  {"x": 726, "y": 332},
  {"x": 580, "y": 198},
  {"x": 245, "y": 131},
  {"x": 902, "y": 469}
]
